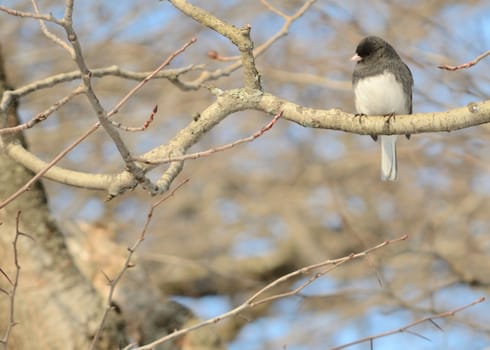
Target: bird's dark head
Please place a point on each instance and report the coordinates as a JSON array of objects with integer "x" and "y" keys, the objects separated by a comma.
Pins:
[{"x": 372, "y": 47}]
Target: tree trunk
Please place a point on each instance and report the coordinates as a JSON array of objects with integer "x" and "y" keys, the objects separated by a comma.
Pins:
[{"x": 55, "y": 305}]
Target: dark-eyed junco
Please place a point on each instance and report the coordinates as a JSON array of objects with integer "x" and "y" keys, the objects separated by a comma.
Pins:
[{"x": 382, "y": 86}]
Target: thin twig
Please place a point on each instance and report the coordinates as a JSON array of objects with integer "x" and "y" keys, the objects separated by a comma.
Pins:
[
  {"x": 288, "y": 20},
  {"x": 150, "y": 76},
  {"x": 273, "y": 9},
  {"x": 128, "y": 264},
  {"x": 254, "y": 299},
  {"x": 145, "y": 126},
  {"x": 13, "y": 12},
  {"x": 43, "y": 115},
  {"x": 214, "y": 75},
  {"x": 50, "y": 35},
  {"x": 14, "y": 283},
  {"x": 406, "y": 329},
  {"x": 310, "y": 268},
  {"x": 113, "y": 70},
  {"x": 216, "y": 56},
  {"x": 465, "y": 65},
  {"x": 215, "y": 149}
]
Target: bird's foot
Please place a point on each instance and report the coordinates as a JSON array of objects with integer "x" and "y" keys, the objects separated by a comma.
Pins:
[
  {"x": 389, "y": 117},
  {"x": 360, "y": 116}
]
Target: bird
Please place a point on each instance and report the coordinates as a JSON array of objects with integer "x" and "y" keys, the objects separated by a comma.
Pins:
[{"x": 382, "y": 85}]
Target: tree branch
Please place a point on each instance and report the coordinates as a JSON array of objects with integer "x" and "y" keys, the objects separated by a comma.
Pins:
[
  {"x": 214, "y": 75},
  {"x": 14, "y": 283},
  {"x": 217, "y": 149},
  {"x": 44, "y": 114},
  {"x": 406, "y": 329},
  {"x": 50, "y": 35},
  {"x": 170, "y": 74},
  {"x": 465, "y": 65},
  {"x": 254, "y": 299},
  {"x": 13, "y": 12},
  {"x": 334, "y": 119},
  {"x": 128, "y": 264}
]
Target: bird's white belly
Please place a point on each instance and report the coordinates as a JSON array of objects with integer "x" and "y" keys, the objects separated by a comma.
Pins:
[{"x": 380, "y": 95}]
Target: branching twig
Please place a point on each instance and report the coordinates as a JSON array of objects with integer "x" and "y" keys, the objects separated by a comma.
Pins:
[
  {"x": 331, "y": 263},
  {"x": 465, "y": 65},
  {"x": 216, "y": 56},
  {"x": 215, "y": 149},
  {"x": 43, "y": 115},
  {"x": 13, "y": 282},
  {"x": 240, "y": 37},
  {"x": 150, "y": 76},
  {"x": 406, "y": 329},
  {"x": 94, "y": 101},
  {"x": 128, "y": 264},
  {"x": 214, "y": 75},
  {"x": 288, "y": 21},
  {"x": 13, "y": 12},
  {"x": 114, "y": 70},
  {"x": 50, "y": 35},
  {"x": 178, "y": 161},
  {"x": 145, "y": 126},
  {"x": 254, "y": 299}
]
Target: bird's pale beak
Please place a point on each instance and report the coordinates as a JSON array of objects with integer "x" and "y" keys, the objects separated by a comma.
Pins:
[{"x": 356, "y": 58}]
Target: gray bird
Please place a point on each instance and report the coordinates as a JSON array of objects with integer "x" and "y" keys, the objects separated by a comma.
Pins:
[{"x": 382, "y": 86}]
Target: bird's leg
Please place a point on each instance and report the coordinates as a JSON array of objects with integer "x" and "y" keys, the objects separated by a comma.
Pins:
[
  {"x": 389, "y": 117},
  {"x": 360, "y": 116},
  {"x": 392, "y": 116}
]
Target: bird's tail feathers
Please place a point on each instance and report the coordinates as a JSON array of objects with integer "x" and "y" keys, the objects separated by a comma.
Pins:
[{"x": 388, "y": 158}]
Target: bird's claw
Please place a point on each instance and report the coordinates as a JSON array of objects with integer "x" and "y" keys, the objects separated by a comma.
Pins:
[{"x": 389, "y": 117}]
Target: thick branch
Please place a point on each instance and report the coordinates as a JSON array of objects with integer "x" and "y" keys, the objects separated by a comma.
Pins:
[
  {"x": 459, "y": 118},
  {"x": 233, "y": 101}
]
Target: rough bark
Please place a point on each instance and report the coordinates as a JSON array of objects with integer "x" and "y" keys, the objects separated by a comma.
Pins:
[{"x": 55, "y": 305}]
